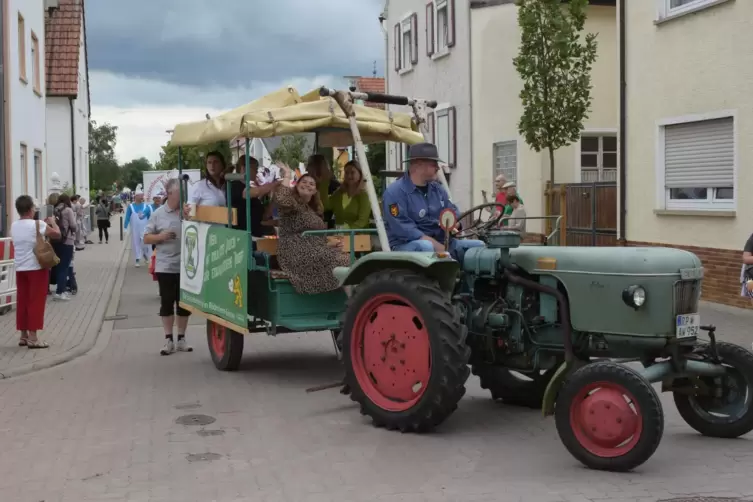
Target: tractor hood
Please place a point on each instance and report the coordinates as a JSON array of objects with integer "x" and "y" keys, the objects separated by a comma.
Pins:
[{"x": 637, "y": 261}]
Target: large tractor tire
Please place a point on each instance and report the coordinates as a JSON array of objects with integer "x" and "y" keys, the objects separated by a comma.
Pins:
[
  {"x": 512, "y": 389},
  {"x": 406, "y": 360},
  {"x": 730, "y": 413},
  {"x": 225, "y": 346},
  {"x": 609, "y": 417}
]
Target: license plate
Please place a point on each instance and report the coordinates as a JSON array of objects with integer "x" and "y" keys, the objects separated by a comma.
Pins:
[{"x": 688, "y": 325}]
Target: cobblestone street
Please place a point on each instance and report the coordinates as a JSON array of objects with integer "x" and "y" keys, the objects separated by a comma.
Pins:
[{"x": 104, "y": 427}]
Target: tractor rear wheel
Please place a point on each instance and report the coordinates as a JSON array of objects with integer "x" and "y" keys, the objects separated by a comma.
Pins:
[
  {"x": 729, "y": 413},
  {"x": 609, "y": 417},
  {"x": 225, "y": 346},
  {"x": 510, "y": 388},
  {"x": 406, "y": 360}
]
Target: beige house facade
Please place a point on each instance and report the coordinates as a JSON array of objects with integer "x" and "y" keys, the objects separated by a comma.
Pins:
[
  {"x": 497, "y": 146},
  {"x": 688, "y": 115}
]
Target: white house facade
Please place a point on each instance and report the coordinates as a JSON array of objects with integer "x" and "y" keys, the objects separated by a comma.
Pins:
[
  {"x": 428, "y": 57},
  {"x": 24, "y": 107},
  {"x": 68, "y": 106}
]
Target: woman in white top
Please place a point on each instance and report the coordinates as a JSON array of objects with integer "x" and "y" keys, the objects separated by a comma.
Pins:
[
  {"x": 31, "y": 278},
  {"x": 210, "y": 191}
]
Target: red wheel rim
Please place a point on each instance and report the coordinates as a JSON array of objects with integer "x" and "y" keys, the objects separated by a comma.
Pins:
[
  {"x": 391, "y": 352},
  {"x": 218, "y": 340},
  {"x": 606, "y": 419}
]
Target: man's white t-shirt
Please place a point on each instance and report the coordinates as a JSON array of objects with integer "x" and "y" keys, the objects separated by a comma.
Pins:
[{"x": 24, "y": 236}]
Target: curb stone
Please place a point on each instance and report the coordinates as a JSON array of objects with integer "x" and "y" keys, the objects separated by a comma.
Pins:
[{"x": 115, "y": 284}]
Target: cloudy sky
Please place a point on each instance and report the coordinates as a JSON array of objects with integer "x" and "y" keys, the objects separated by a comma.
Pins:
[{"x": 156, "y": 63}]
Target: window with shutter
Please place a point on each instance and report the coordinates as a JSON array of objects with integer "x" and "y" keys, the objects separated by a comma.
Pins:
[
  {"x": 699, "y": 164},
  {"x": 414, "y": 38},
  {"x": 450, "y": 23},
  {"x": 398, "y": 53},
  {"x": 446, "y": 137},
  {"x": 430, "y": 125},
  {"x": 430, "y": 28}
]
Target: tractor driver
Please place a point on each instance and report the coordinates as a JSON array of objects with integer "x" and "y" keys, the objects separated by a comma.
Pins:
[{"x": 412, "y": 205}]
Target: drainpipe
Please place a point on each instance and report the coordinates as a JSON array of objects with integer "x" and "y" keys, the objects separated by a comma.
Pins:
[
  {"x": 3, "y": 129},
  {"x": 470, "y": 105},
  {"x": 623, "y": 120},
  {"x": 73, "y": 146}
]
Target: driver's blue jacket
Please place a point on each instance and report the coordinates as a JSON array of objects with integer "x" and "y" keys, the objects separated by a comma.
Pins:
[{"x": 409, "y": 214}]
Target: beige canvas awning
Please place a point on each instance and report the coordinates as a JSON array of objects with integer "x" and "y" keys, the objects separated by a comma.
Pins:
[{"x": 300, "y": 115}]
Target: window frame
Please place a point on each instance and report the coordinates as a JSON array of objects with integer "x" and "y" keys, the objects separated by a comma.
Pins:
[
  {"x": 600, "y": 134},
  {"x": 438, "y": 50},
  {"x": 36, "y": 77},
  {"x": 710, "y": 204},
  {"x": 38, "y": 171},
  {"x": 22, "y": 49},
  {"x": 666, "y": 12},
  {"x": 495, "y": 171},
  {"x": 451, "y": 113},
  {"x": 408, "y": 25},
  {"x": 25, "y": 168}
]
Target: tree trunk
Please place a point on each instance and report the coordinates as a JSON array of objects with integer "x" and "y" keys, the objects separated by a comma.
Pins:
[{"x": 551, "y": 166}]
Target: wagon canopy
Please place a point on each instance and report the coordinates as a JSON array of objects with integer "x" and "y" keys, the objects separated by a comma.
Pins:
[{"x": 285, "y": 112}]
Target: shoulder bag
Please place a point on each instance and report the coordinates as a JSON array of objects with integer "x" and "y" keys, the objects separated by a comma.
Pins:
[{"x": 43, "y": 251}]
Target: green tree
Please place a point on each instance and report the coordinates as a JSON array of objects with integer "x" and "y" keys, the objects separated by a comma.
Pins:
[
  {"x": 292, "y": 151},
  {"x": 554, "y": 62},
  {"x": 193, "y": 156},
  {"x": 103, "y": 167},
  {"x": 132, "y": 173}
]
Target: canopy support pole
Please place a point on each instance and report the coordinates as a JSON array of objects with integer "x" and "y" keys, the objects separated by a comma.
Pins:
[{"x": 345, "y": 100}]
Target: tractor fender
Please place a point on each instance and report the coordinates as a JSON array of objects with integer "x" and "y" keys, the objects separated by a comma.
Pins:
[
  {"x": 443, "y": 270},
  {"x": 555, "y": 384}
]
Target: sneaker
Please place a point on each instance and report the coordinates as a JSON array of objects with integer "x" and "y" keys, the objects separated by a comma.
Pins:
[
  {"x": 63, "y": 297},
  {"x": 168, "y": 349},
  {"x": 182, "y": 346},
  {"x": 100, "y": 242},
  {"x": 138, "y": 264},
  {"x": 74, "y": 292}
]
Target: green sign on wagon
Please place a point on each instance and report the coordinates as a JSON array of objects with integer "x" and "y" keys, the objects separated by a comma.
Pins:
[{"x": 213, "y": 271}]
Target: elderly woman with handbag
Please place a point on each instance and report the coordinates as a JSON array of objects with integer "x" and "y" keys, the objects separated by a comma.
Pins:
[{"x": 34, "y": 257}]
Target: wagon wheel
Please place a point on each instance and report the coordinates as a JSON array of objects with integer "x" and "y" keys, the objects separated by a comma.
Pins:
[
  {"x": 504, "y": 385},
  {"x": 225, "y": 346},
  {"x": 609, "y": 417},
  {"x": 406, "y": 361},
  {"x": 729, "y": 412}
]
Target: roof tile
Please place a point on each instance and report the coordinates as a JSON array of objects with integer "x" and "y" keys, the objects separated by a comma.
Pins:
[
  {"x": 62, "y": 48},
  {"x": 371, "y": 84}
]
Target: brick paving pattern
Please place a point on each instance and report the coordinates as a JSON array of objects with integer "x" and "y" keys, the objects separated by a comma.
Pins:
[
  {"x": 103, "y": 428},
  {"x": 67, "y": 324}
]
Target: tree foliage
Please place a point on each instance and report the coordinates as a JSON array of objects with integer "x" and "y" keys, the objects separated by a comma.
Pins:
[
  {"x": 193, "y": 157},
  {"x": 292, "y": 151},
  {"x": 132, "y": 173},
  {"x": 103, "y": 167},
  {"x": 554, "y": 62}
]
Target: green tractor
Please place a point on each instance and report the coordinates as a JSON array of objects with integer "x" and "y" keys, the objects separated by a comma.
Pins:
[{"x": 555, "y": 328}]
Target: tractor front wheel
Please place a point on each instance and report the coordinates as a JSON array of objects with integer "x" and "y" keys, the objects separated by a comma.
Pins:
[
  {"x": 225, "y": 346},
  {"x": 406, "y": 361},
  {"x": 609, "y": 417},
  {"x": 725, "y": 410}
]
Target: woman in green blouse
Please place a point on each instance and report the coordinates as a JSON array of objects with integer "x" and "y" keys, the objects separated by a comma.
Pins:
[{"x": 350, "y": 203}]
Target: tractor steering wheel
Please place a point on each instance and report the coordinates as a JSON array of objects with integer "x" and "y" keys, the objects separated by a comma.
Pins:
[{"x": 479, "y": 227}]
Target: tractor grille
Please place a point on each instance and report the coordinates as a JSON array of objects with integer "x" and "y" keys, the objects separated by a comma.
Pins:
[{"x": 687, "y": 294}]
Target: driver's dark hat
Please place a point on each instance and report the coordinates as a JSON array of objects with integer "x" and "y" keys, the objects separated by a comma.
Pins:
[{"x": 423, "y": 151}]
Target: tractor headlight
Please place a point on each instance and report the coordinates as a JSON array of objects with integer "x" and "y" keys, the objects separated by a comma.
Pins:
[{"x": 634, "y": 296}]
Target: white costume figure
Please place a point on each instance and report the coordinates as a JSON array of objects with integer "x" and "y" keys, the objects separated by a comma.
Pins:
[{"x": 137, "y": 216}]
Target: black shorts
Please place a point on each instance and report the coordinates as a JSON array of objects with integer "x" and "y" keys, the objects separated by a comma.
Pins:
[{"x": 169, "y": 292}]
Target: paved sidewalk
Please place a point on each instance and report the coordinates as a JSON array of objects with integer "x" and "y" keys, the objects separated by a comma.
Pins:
[{"x": 71, "y": 328}]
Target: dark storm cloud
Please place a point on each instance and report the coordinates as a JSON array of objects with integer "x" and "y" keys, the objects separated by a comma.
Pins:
[{"x": 232, "y": 42}]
